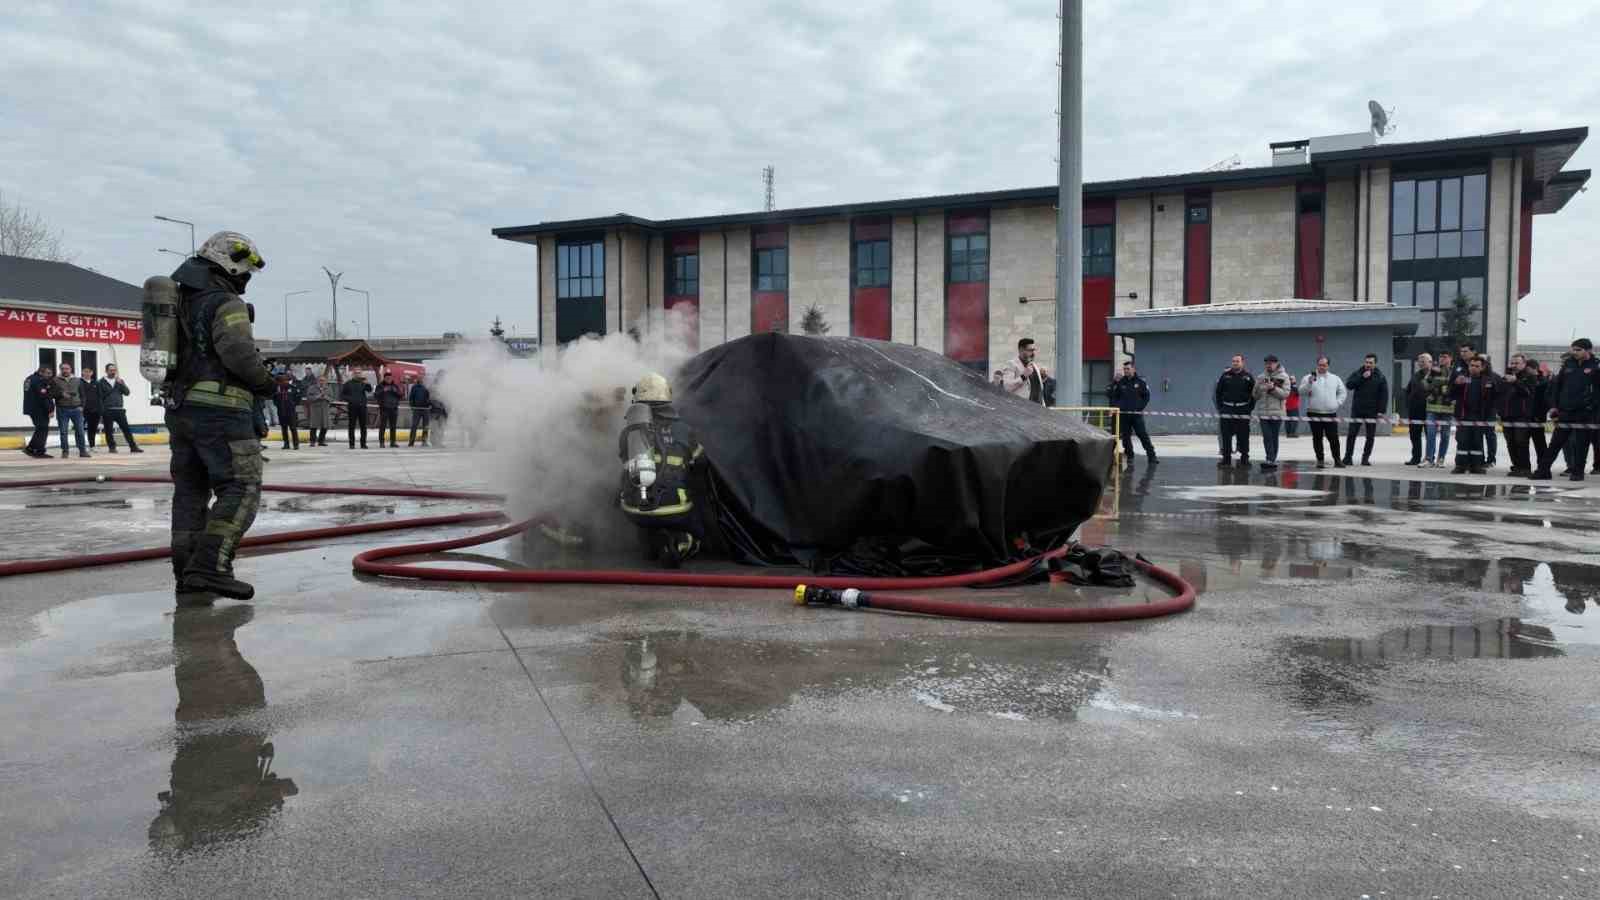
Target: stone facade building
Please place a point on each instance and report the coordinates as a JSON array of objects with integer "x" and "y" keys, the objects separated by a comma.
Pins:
[{"x": 1341, "y": 218}]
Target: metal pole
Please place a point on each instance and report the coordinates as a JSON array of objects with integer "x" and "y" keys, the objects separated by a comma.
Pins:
[
  {"x": 1069, "y": 216},
  {"x": 368, "y": 295},
  {"x": 333, "y": 283},
  {"x": 286, "y": 312}
]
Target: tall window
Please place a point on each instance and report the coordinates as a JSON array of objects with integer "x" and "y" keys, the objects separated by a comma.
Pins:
[
  {"x": 1437, "y": 246},
  {"x": 580, "y": 269},
  {"x": 968, "y": 258},
  {"x": 1099, "y": 254},
  {"x": 872, "y": 263},
  {"x": 772, "y": 269},
  {"x": 685, "y": 278}
]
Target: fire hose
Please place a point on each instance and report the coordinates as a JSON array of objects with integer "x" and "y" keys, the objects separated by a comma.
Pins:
[{"x": 841, "y": 592}]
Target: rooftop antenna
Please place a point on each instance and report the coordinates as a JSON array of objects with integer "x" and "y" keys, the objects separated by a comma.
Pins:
[
  {"x": 496, "y": 331},
  {"x": 1232, "y": 162},
  {"x": 768, "y": 174},
  {"x": 1382, "y": 119}
]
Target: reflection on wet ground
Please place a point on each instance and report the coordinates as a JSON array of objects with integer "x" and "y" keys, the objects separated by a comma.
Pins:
[{"x": 222, "y": 784}]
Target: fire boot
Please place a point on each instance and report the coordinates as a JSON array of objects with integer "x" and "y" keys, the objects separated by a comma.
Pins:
[
  {"x": 182, "y": 551},
  {"x": 207, "y": 571}
]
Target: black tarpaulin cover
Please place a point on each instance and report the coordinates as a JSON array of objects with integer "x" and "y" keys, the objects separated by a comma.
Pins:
[{"x": 817, "y": 443}]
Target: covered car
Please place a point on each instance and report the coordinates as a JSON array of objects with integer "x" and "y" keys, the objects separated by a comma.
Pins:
[{"x": 856, "y": 455}]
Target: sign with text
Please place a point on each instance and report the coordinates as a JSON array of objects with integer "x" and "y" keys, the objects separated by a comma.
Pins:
[{"x": 59, "y": 326}]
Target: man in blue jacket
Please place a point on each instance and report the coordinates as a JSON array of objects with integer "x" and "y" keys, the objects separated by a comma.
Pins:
[
  {"x": 1131, "y": 394},
  {"x": 37, "y": 405}
]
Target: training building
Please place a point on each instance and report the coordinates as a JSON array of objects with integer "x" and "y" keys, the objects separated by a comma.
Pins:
[
  {"x": 55, "y": 312},
  {"x": 1336, "y": 218}
]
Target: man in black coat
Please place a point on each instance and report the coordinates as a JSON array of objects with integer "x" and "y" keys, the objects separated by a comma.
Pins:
[
  {"x": 1476, "y": 400},
  {"x": 1369, "y": 398},
  {"x": 37, "y": 406},
  {"x": 389, "y": 397},
  {"x": 354, "y": 394},
  {"x": 91, "y": 403},
  {"x": 1131, "y": 394},
  {"x": 110, "y": 390},
  {"x": 1575, "y": 397},
  {"x": 1234, "y": 398}
]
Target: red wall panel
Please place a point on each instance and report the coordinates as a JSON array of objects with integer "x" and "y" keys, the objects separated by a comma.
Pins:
[
  {"x": 1525, "y": 256},
  {"x": 966, "y": 323},
  {"x": 1096, "y": 306},
  {"x": 1099, "y": 212},
  {"x": 869, "y": 313},
  {"x": 769, "y": 311},
  {"x": 1308, "y": 262},
  {"x": 1196, "y": 263}
]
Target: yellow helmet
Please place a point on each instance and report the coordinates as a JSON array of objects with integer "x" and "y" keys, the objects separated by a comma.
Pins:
[{"x": 652, "y": 388}]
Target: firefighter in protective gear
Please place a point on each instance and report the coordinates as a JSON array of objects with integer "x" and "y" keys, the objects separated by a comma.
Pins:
[
  {"x": 215, "y": 445},
  {"x": 660, "y": 454}
]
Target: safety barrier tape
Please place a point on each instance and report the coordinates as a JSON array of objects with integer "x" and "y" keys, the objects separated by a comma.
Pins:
[{"x": 1378, "y": 420}]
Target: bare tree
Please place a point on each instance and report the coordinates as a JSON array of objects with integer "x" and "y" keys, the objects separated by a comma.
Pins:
[
  {"x": 326, "y": 330},
  {"x": 25, "y": 233}
]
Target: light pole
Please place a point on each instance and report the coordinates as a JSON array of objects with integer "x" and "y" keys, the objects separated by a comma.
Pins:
[
  {"x": 182, "y": 222},
  {"x": 368, "y": 295},
  {"x": 1069, "y": 206},
  {"x": 173, "y": 252},
  {"x": 333, "y": 281},
  {"x": 286, "y": 312}
]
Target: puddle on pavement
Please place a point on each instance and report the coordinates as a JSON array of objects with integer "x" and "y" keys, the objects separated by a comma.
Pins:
[{"x": 685, "y": 677}]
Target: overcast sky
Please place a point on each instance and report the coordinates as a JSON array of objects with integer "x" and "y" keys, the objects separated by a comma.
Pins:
[{"x": 386, "y": 139}]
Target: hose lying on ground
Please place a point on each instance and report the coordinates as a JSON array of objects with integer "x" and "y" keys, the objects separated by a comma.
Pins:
[{"x": 370, "y": 562}]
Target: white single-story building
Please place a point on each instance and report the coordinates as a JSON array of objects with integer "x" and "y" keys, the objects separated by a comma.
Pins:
[{"x": 54, "y": 312}]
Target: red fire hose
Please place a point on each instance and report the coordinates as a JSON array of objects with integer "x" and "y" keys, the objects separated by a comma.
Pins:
[{"x": 368, "y": 562}]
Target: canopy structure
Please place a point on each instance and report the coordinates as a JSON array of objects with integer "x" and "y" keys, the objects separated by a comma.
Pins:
[{"x": 335, "y": 353}]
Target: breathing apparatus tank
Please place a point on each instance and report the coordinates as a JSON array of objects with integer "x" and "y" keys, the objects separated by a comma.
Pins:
[
  {"x": 640, "y": 465},
  {"x": 160, "y": 340}
]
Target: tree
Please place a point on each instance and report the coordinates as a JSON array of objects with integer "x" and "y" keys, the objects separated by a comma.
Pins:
[
  {"x": 25, "y": 233},
  {"x": 813, "y": 322},
  {"x": 1459, "y": 321},
  {"x": 326, "y": 330}
]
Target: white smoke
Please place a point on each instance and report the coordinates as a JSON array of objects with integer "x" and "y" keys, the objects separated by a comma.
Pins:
[{"x": 548, "y": 426}]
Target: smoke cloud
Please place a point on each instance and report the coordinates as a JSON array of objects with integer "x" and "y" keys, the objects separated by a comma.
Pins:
[{"x": 549, "y": 425}]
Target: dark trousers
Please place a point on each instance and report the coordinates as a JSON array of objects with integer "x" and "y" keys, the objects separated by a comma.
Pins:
[
  {"x": 1269, "y": 438},
  {"x": 1469, "y": 444},
  {"x": 113, "y": 419},
  {"x": 41, "y": 432},
  {"x": 1350, "y": 440},
  {"x": 419, "y": 422},
  {"x": 1537, "y": 433},
  {"x": 214, "y": 451},
  {"x": 291, "y": 427},
  {"x": 1414, "y": 431},
  {"x": 358, "y": 418},
  {"x": 1492, "y": 441},
  {"x": 388, "y": 419},
  {"x": 1291, "y": 423},
  {"x": 1235, "y": 432},
  {"x": 1518, "y": 434},
  {"x": 91, "y": 424},
  {"x": 1577, "y": 439},
  {"x": 1323, "y": 428}
]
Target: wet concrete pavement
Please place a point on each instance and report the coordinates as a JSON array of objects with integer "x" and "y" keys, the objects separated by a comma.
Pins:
[{"x": 1386, "y": 690}]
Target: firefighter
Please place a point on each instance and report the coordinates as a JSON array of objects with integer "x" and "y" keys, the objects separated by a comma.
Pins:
[
  {"x": 215, "y": 439},
  {"x": 660, "y": 457}
]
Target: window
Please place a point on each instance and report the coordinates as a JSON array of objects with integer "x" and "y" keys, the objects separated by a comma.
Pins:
[
  {"x": 1199, "y": 213},
  {"x": 872, "y": 263},
  {"x": 968, "y": 259},
  {"x": 580, "y": 269},
  {"x": 1439, "y": 218},
  {"x": 684, "y": 280},
  {"x": 1099, "y": 251},
  {"x": 1434, "y": 299},
  {"x": 772, "y": 269}
]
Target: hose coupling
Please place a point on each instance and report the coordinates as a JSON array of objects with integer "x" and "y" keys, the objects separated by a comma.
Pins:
[{"x": 849, "y": 598}]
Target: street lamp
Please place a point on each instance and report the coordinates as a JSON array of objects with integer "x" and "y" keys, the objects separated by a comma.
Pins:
[
  {"x": 369, "y": 307},
  {"x": 173, "y": 252},
  {"x": 286, "y": 312},
  {"x": 333, "y": 282},
  {"x": 182, "y": 222}
]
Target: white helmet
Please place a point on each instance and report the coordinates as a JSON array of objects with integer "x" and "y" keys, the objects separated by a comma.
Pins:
[
  {"x": 234, "y": 252},
  {"x": 652, "y": 388}
]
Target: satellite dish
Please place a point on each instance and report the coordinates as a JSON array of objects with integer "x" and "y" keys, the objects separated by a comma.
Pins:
[{"x": 1380, "y": 118}]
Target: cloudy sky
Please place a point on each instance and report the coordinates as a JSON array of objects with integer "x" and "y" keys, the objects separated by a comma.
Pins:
[{"x": 386, "y": 139}]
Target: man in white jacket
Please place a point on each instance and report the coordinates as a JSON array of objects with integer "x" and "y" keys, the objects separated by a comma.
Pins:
[
  {"x": 1021, "y": 377},
  {"x": 1321, "y": 394}
]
